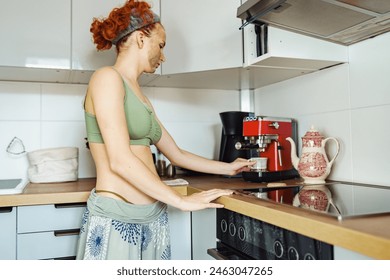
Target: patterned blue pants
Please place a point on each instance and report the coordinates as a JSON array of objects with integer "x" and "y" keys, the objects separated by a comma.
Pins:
[{"x": 116, "y": 230}]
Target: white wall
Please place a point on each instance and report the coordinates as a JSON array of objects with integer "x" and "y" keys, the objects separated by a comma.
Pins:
[
  {"x": 51, "y": 115},
  {"x": 191, "y": 116},
  {"x": 350, "y": 102}
]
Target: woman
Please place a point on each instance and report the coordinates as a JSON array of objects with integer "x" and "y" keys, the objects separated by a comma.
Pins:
[{"x": 126, "y": 216}]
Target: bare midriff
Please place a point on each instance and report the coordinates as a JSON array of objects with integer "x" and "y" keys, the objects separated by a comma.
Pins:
[{"x": 109, "y": 181}]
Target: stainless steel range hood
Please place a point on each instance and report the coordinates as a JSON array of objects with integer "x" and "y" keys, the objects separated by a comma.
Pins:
[{"x": 340, "y": 21}]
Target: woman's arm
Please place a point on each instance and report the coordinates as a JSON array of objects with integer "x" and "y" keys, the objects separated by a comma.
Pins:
[
  {"x": 194, "y": 162},
  {"x": 107, "y": 92}
]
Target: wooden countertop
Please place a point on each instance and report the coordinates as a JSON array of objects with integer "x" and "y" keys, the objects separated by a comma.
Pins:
[
  {"x": 50, "y": 193},
  {"x": 366, "y": 235}
]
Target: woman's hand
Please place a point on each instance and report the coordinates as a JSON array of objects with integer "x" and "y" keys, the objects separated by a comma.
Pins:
[
  {"x": 239, "y": 165},
  {"x": 202, "y": 200}
]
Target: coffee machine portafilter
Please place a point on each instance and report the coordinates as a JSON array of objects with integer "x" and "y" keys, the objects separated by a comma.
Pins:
[{"x": 266, "y": 137}]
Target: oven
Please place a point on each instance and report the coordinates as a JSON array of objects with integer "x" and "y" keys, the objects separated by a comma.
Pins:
[
  {"x": 243, "y": 237},
  {"x": 240, "y": 237}
]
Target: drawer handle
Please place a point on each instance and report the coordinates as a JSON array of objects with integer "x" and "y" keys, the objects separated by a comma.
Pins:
[
  {"x": 67, "y": 232},
  {"x": 70, "y": 205},
  {"x": 6, "y": 209}
]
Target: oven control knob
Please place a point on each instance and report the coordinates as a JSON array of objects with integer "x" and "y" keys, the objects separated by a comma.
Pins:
[
  {"x": 278, "y": 249},
  {"x": 293, "y": 254},
  {"x": 223, "y": 225},
  {"x": 232, "y": 229},
  {"x": 309, "y": 257},
  {"x": 241, "y": 233}
]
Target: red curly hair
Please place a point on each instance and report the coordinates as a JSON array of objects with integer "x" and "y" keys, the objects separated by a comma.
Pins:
[{"x": 104, "y": 30}]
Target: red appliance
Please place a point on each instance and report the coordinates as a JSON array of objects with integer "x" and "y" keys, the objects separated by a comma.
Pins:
[
  {"x": 284, "y": 195},
  {"x": 266, "y": 137}
]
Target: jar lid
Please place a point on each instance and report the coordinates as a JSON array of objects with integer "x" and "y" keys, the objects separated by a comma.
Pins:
[{"x": 312, "y": 132}]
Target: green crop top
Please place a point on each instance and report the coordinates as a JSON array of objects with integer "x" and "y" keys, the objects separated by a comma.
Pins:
[{"x": 141, "y": 122}]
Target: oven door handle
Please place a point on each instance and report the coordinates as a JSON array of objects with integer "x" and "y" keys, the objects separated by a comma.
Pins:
[{"x": 216, "y": 254}]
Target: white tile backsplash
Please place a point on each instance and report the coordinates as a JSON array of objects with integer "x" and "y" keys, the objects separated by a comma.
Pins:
[
  {"x": 337, "y": 125},
  {"x": 12, "y": 166},
  {"x": 61, "y": 103},
  {"x": 69, "y": 134},
  {"x": 200, "y": 138},
  {"x": 46, "y": 115},
  {"x": 370, "y": 145},
  {"x": 315, "y": 93},
  {"x": 19, "y": 101},
  {"x": 191, "y": 105},
  {"x": 191, "y": 116},
  {"x": 350, "y": 102},
  {"x": 369, "y": 72}
]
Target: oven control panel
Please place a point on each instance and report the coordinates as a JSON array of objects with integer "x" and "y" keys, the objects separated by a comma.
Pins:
[{"x": 260, "y": 240}]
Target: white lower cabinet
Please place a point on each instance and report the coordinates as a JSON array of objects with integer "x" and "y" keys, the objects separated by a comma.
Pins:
[
  {"x": 180, "y": 228},
  {"x": 7, "y": 233},
  {"x": 203, "y": 233},
  {"x": 48, "y": 231},
  {"x": 52, "y": 232},
  {"x": 192, "y": 233},
  {"x": 340, "y": 253},
  {"x": 47, "y": 245}
]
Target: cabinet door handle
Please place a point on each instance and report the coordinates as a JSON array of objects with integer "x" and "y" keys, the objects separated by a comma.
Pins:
[
  {"x": 6, "y": 209},
  {"x": 70, "y": 205},
  {"x": 67, "y": 232}
]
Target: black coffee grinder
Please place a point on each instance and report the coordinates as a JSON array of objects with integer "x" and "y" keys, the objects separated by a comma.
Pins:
[{"x": 231, "y": 134}]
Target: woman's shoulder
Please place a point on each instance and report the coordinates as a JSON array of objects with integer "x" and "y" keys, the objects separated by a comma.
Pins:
[
  {"x": 105, "y": 73},
  {"x": 105, "y": 80}
]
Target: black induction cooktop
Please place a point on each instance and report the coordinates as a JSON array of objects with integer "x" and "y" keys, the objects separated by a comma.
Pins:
[{"x": 337, "y": 199}]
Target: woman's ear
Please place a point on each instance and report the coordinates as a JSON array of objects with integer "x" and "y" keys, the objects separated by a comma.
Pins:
[{"x": 140, "y": 39}]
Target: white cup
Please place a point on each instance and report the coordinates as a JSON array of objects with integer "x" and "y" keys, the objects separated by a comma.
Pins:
[{"x": 261, "y": 163}]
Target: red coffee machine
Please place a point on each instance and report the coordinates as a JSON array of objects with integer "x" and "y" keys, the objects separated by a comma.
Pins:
[{"x": 266, "y": 137}]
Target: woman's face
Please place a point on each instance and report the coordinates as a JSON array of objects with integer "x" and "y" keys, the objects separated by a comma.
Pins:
[{"x": 155, "y": 45}]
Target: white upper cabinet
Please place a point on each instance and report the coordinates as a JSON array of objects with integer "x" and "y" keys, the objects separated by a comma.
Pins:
[
  {"x": 85, "y": 57},
  {"x": 35, "y": 34},
  {"x": 50, "y": 41},
  {"x": 288, "y": 50},
  {"x": 84, "y": 53},
  {"x": 201, "y": 35}
]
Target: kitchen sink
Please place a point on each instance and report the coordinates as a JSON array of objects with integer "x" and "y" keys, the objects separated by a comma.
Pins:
[{"x": 12, "y": 186}]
